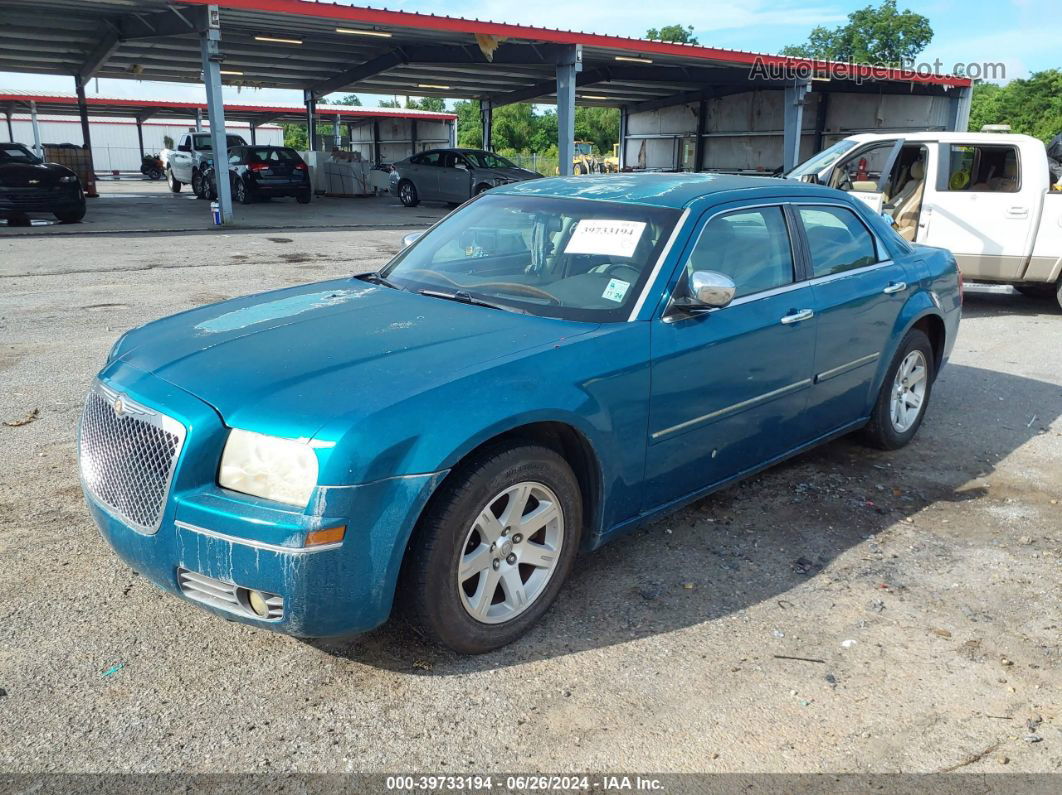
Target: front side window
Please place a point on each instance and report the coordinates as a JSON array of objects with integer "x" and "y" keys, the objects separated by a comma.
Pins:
[
  {"x": 750, "y": 246},
  {"x": 555, "y": 257},
  {"x": 982, "y": 169},
  {"x": 813, "y": 166},
  {"x": 488, "y": 160},
  {"x": 861, "y": 171},
  {"x": 427, "y": 159},
  {"x": 838, "y": 241}
]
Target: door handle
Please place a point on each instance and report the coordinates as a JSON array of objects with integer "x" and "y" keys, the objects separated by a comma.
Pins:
[
  {"x": 796, "y": 317},
  {"x": 1018, "y": 212},
  {"x": 895, "y": 287}
]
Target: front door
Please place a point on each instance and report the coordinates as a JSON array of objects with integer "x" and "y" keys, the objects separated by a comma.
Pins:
[
  {"x": 729, "y": 385},
  {"x": 865, "y": 172},
  {"x": 981, "y": 209},
  {"x": 858, "y": 294}
]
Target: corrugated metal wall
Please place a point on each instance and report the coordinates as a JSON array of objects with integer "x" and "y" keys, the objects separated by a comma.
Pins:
[
  {"x": 744, "y": 131},
  {"x": 114, "y": 142},
  {"x": 396, "y": 137}
]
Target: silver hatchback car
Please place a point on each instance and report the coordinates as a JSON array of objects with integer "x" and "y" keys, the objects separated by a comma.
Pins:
[{"x": 452, "y": 175}]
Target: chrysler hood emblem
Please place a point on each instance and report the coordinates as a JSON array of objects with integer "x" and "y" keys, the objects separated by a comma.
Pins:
[{"x": 119, "y": 407}]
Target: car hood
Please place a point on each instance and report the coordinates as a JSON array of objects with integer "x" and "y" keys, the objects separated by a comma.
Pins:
[
  {"x": 31, "y": 175},
  {"x": 286, "y": 362}
]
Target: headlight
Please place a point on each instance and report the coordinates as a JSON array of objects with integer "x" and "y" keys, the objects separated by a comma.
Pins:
[
  {"x": 265, "y": 466},
  {"x": 67, "y": 179}
]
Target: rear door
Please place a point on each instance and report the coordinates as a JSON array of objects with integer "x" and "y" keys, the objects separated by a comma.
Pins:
[
  {"x": 425, "y": 174},
  {"x": 455, "y": 181},
  {"x": 181, "y": 159},
  {"x": 981, "y": 208},
  {"x": 858, "y": 294}
]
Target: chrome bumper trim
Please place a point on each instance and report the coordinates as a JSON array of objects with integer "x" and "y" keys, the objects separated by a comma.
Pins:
[{"x": 248, "y": 542}]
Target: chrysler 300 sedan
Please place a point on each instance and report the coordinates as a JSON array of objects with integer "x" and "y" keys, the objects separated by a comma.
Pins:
[{"x": 546, "y": 368}]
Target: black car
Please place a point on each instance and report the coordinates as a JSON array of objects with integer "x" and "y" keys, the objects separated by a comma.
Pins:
[
  {"x": 29, "y": 185},
  {"x": 260, "y": 171}
]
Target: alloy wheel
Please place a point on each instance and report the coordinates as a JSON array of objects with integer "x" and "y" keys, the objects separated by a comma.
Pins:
[
  {"x": 510, "y": 552},
  {"x": 909, "y": 391}
]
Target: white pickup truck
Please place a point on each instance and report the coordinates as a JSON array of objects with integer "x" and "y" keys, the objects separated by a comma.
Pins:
[
  {"x": 189, "y": 160},
  {"x": 987, "y": 197}
]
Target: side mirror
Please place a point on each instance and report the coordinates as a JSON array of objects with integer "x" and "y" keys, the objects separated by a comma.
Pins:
[
  {"x": 410, "y": 239},
  {"x": 707, "y": 290},
  {"x": 461, "y": 166}
]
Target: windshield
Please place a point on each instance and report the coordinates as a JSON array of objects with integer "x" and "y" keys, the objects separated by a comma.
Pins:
[
  {"x": 565, "y": 258},
  {"x": 824, "y": 159},
  {"x": 203, "y": 142},
  {"x": 488, "y": 160},
  {"x": 17, "y": 153}
]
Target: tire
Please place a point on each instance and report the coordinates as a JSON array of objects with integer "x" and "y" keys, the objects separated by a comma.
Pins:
[
  {"x": 303, "y": 197},
  {"x": 580, "y": 169},
  {"x": 434, "y": 599},
  {"x": 900, "y": 386},
  {"x": 154, "y": 174},
  {"x": 71, "y": 216},
  {"x": 173, "y": 182},
  {"x": 407, "y": 192},
  {"x": 211, "y": 190},
  {"x": 240, "y": 192},
  {"x": 480, "y": 188},
  {"x": 198, "y": 188},
  {"x": 1039, "y": 291}
]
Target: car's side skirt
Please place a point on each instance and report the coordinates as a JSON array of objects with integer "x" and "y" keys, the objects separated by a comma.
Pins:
[{"x": 630, "y": 524}]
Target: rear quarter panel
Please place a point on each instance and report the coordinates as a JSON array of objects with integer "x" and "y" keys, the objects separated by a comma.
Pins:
[{"x": 1045, "y": 265}]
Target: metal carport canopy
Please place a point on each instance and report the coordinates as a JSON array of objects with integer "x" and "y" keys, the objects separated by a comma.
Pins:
[{"x": 323, "y": 48}]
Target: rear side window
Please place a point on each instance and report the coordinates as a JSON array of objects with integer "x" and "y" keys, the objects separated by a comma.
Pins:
[
  {"x": 426, "y": 159},
  {"x": 750, "y": 246},
  {"x": 268, "y": 154},
  {"x": 987, "y": 168},
  {"x": 838, "y": 241}
]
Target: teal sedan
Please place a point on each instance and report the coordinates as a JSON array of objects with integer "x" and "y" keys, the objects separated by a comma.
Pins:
[{"x": 549, "y": 366}]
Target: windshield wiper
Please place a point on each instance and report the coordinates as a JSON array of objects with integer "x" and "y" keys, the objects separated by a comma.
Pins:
[
  {"x": 467, "y": 298},
  {"x": 375, "y": 277}
]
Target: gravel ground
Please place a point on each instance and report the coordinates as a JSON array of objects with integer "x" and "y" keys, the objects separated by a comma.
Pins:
[{"x": 850, "y": 610}]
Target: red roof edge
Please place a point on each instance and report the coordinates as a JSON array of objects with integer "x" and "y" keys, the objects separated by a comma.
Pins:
[{"x": 410, "y": 19}]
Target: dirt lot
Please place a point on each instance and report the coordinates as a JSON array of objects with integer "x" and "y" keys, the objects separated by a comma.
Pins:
[{"x": 848, "y": 611}]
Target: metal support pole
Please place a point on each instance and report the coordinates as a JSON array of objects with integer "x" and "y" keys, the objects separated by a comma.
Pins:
[
  {"x": 311, "y": 120},
  {"x": 821, "y": 112},
  {"x": 486, "y": 120},
  {"x": 199, "y": 120},
  {"x": 376, "y": 158},
  {"x": 10, "y": 129},
  {"x": 210, "y": 44},
  {"x": 82, "y": 109},
  {"x": 793, "y": 120},
  {"x": 413, "y": 136},
  {"x": 698, "y": 145},
  {"x": 336, "y": 133},
  {"x": 37, "y": 148},
  {"x": 569, "y": 65},
  {"x": 350, "y": 135},
  {"x": 254, "y": 134},
  {"x": 140, "y": 137},
  {"x": 452, "y": 133},
  {"x": 623, "y": 138},
  {"x": 959, "y": 113}
]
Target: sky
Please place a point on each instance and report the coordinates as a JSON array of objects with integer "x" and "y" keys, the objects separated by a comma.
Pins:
[{"x": 1023, "y": 35}]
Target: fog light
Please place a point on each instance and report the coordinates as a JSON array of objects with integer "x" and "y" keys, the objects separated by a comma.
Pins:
[{"x": 257, "y": 601}]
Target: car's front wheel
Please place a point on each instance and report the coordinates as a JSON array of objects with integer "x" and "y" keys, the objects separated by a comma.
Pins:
[
  {"x": 72, "y": 216},
  {"x": 407, "y": 192},
  {"x": 493, "y": 549},
  {"x": 172, "y": 181},
  {"x": 198, "y": 185},
  {"x": 904, "y": 394}
]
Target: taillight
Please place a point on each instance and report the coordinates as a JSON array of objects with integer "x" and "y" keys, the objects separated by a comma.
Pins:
[
  {"x": 300, "y": 166},
  {"x": 258, "y": 167}
]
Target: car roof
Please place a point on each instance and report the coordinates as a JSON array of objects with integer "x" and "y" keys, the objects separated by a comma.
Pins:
[
  {"x": 949, "y": 137},
  {"x": 664, "y": 190}
]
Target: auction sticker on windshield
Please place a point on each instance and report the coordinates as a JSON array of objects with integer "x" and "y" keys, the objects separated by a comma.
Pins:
[
  {"x": 616, "y": 290},
  {"x": 599, "y": 236}
]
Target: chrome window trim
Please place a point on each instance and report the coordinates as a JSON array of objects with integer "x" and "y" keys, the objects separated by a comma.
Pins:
[
  {"x": 654, "y": 274},
  {"x": 830, "y": 277},
  {"x": 879, "y": 246},
  {"x": 249, "y": 542},
  {"x": 733, "y": 407},
  {"x": 826, "y": 375},
  {"x": 147, "y": 415}
]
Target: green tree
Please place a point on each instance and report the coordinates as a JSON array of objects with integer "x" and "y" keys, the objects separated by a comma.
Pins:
[
  {"x": 469, "y": 129},
  {"x": 436, "y": 104},
  {"x": 390, "y": 103},
  {"x": 349, "y": 99},
  {"x": 1032, "y": 106},
  {"x": 881, "y": 36},
  {"x": 676, "y": 33},
  {"x": 598, "y": 125}
]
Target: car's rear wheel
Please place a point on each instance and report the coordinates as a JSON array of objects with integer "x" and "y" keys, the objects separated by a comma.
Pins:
[
  {"x": 240, "y": 191},
  {"x": 173, "y": 182},
  {"x": 407, "y": 193},
  {"x": 493, "y": 549},
  {"x": 303, "y": 197},
  {"x": 904, "y": 395}
]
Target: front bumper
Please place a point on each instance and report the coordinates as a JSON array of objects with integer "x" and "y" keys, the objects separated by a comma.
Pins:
[
  {"x": 248, "y": 543},
  {"x": 39, "y": 200}
]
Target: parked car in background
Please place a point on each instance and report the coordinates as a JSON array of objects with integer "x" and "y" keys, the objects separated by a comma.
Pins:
[
  {"x": 194, "y": 153},
  {"x": 452, "y": 175},
  {"x": 987, "y": 197},
  {"x": 258, "y": 172},
  {"x": 548, "y": 367},
  {"x": 29, "y": 185}
]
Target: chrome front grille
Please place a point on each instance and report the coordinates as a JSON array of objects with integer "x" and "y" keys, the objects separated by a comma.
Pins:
[
  {"x": 127, "y": 453},
  {"x": 226, "y": 595}
]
